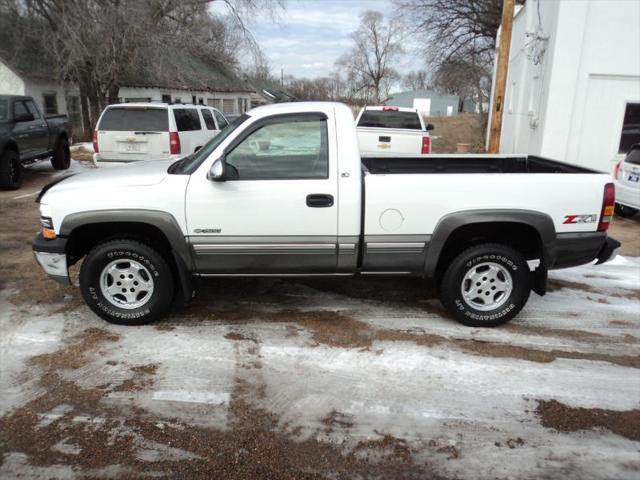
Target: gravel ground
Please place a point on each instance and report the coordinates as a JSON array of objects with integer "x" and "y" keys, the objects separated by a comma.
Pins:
[{"x": 348, "y": 378}]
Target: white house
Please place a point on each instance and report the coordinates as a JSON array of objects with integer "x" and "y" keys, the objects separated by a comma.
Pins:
[
  {"x": 573, "y": 88},
  {"x": 191, "y": 82}
]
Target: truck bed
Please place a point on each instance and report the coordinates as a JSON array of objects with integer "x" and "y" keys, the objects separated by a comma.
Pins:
[{"x": 466, "y": 163}]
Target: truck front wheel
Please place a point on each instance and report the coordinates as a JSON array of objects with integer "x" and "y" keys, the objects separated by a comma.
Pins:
[
  {"x": 126, "y": 282},
  {"x": 61, "y": 155},
  {"x": 486, "y": 285},
  {"x": 10, "y": 170}
]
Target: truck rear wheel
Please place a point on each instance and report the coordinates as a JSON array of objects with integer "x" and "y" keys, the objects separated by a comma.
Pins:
[
  {"x": 10, "y": 170},
  {"x": 126, "y": 282},
  {"x": 486, "y": 285},
  {"x": 62, "y": 155}
]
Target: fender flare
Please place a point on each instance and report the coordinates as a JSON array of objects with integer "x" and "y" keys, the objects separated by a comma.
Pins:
[
  {"x": 164, "y": 221},
  {"x": 541, "y": 222}
]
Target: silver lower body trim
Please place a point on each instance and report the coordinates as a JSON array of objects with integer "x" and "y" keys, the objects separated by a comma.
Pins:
[
  {"x": 205, "y": 275},
  {"x": 264, "y": 248}
]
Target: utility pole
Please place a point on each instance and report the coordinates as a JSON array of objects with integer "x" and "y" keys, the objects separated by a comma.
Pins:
[{"x": 502, "y": 68}]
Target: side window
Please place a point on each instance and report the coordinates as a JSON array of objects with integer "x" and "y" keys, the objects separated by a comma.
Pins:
[
  {"x": 630, "y": 127},
  {"x": 222, "y": 122},
  {"x": 187, "y": 119},
  {"x": 295, "y": 148},
  {"x": 19, "y": 108},
  {"x": 208, "y": 119},
  {"x": 33, "y": 109}
]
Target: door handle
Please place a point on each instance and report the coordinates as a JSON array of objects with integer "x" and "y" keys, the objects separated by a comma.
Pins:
[{"x": 319, "y": 200}]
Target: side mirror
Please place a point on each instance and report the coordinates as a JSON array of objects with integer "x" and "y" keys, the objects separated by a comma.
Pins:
[
  {"x": 217, "y": 171},
  {"x": 430, "y": 127},
  {"x": 23, "y": 117}
]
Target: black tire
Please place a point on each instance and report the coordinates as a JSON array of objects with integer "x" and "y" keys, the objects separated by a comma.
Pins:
[
  {"x": 507, "y": 306},
  {"x": 61, "y": 155},
  {"x": 10, "y": 170},
  {"x": 624, "y": 211},
  {"x": 104, "y": 254}
]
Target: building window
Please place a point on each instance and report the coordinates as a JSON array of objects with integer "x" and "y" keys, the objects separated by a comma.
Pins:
[
  {"x": 137, "y": 100},
  {"x": 50, "y": 102},
  {"x": 74, "y": 112},
  {"x": 228, "y": 106},
  {"x": 215, "y": 103},
  {"x": 630, "y": 127},
  {"x": 166, "y": 98}
]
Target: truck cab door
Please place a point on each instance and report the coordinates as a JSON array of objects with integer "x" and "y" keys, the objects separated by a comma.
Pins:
[
  {"x": 39, "y": 130},
  {"x": 24, "y": 129},
  {"x": 276, "y": 210}
]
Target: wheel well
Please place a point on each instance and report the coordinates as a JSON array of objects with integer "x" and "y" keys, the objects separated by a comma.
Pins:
[
  {"x": 520, "y": 236},
  {"x": 83, "y": 238},
  {"x": 11, "y": 146}
]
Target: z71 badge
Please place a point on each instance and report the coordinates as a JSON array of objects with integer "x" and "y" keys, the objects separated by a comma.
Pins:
[
  {"x": 207, "y": 230},
  {"x": 570, "y": 219}
]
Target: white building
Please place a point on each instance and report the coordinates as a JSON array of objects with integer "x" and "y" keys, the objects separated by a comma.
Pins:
[
  {"x": 573, "y": 89},
  {"x": 200, "y": 84}
]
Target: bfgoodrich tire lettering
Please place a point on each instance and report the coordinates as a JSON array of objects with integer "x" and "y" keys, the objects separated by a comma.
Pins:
[
  {"x": 105, "y": 254},
  {"x": 505, "y": 259}
]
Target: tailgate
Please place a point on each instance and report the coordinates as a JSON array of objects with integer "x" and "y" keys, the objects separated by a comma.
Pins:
[
  {"x": 131, "y": 146},
  {"x": 390, "y": 141},
  {"x": 129, "y": 133}
]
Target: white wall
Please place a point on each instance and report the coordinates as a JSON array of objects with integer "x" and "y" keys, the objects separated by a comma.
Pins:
[
  {"x": 37, "y": 90},
  {"x": 10, "y": 83},
  {"x": 570, "y": 106},
  {"x": 155, "y": 94}
]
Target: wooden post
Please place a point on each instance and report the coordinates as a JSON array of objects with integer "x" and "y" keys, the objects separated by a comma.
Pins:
[{"x": 502, "y": 68}]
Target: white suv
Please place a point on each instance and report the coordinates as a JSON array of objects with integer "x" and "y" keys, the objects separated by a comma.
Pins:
[
  {"x": 128, "y": 132},
  {"x": 627, "y": 177}
]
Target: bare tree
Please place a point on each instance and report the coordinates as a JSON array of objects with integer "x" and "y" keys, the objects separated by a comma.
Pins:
[
  {"x": 459, "y": 38},
  {"x": 369, "y": 63},
  {"x": 99, "y": 43},
  {"x": 418, "y": 80}
]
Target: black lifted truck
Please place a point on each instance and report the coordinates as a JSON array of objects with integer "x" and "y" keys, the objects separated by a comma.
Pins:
[{"x": 26, "y": 135}]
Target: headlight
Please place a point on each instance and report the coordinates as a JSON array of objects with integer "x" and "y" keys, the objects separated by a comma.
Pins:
[{"x": 46, "y": 222}]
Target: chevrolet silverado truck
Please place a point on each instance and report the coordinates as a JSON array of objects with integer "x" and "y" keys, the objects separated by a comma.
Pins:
[
  {"x": 392, "y": 131},
  {"x": 26, "y": 136},
  {"x": 283, "y": 191}
]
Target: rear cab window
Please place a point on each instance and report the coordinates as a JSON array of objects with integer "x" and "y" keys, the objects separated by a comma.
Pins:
[
  {"x": 135, "y": 119},
  {"x": 187, "y": 119},
  {"x": 390, "y": 119}
]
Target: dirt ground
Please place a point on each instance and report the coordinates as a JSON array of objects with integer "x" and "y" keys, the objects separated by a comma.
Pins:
[
  {"x": 318, "y": 378},
  {"x": 464, "y": 128}
]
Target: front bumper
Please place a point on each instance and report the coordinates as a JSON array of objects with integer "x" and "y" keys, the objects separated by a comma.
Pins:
[{"x": 52, "y": 257}]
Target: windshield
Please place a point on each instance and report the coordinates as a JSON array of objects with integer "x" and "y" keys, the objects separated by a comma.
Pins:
[
  {"x": 189, "y": 164},
  {"x": 4, "y": 110}
]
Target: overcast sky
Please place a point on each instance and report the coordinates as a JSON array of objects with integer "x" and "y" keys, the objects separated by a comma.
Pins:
[{"x": 311, "y": 34}]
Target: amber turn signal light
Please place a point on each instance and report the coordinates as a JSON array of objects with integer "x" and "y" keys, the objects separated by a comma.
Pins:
[{"x": 48, "y": 233}]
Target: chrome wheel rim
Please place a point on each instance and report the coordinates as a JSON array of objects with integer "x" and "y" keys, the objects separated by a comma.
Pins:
[
  {"x": 126, "y": 284},
  {"x": 486, "y": 286}
]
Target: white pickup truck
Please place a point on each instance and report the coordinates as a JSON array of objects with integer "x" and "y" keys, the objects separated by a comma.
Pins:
[
  {"x": 392, "y": 131},
  {"x": 284, "y": 191}
]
